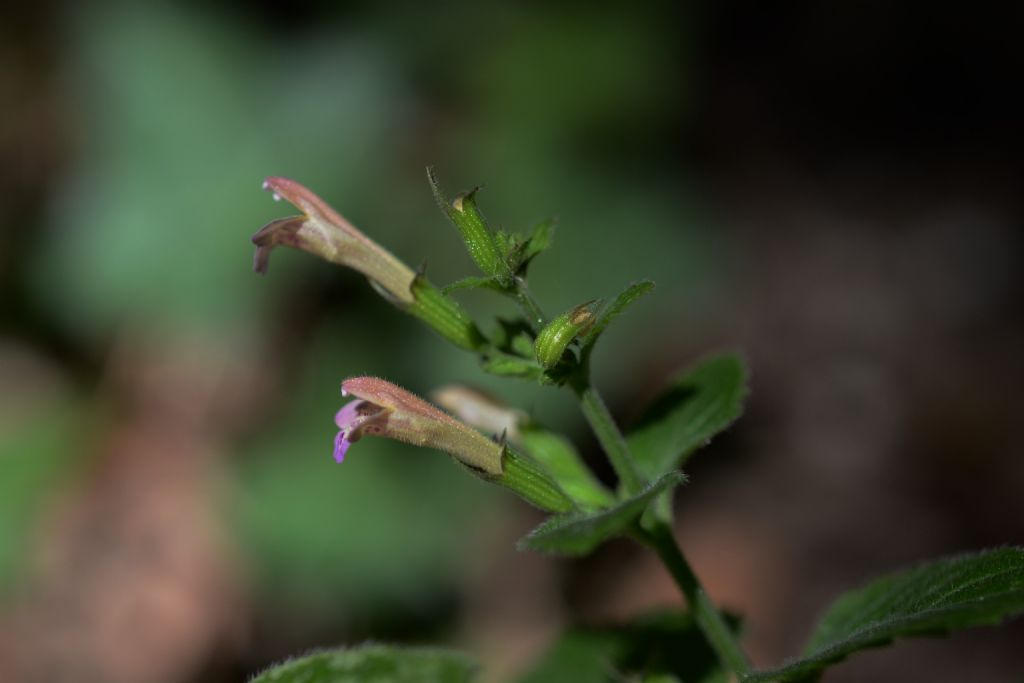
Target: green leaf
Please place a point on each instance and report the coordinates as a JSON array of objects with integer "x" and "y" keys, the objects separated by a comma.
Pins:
[
  {"x": 661, "y": 647},
  {"x": 560, "y": 458},
  {"x": 373, "y": 664},
  {"x": 506, "y": 365},
  {"x": 539, "y": 241},
  {"x": 932, "y": 599},
  {"x": 507, "y": 243},
  {"x": 580, "y": 656},
  {"x": 506, "y": 333},
  {"x": 522, "y": 344},
  {"x": 613, "y": 309},
  {"x": 698, "y": 404},
  {"x": 472, "y": 283},
  {"x": 578, "y": 533}
]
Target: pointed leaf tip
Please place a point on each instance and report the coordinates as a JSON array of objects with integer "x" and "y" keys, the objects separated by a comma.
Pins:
[
  {"x": 613, "y": 309},
  {"x": 699, "y": 403}
]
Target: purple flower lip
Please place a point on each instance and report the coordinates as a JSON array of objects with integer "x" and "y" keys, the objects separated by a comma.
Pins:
[
  {"x": 354, "y": 420},
  {"x": 384, "y": 409}
]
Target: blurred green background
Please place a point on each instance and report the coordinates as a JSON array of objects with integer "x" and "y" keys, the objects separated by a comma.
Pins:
[{"x": 834, "y": 190}]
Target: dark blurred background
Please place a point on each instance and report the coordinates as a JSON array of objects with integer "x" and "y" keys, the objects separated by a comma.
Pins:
[{"x": 834, "y": 188}]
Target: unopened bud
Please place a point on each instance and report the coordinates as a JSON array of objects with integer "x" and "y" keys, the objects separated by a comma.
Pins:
[{"x": 553, "y": 340}]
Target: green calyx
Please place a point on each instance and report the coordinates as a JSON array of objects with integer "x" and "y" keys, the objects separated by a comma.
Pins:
[
  {"x": 532, "y": 483},
  {"x": 554, "y": 339},
  {"x": 444, "y": 314},
  {"x": 480, "y": 242}
]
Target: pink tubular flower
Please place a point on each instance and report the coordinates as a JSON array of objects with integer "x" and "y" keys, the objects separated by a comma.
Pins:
[
  {"x": 384, "y": 409},
  {"x": 320, "y": 230}
]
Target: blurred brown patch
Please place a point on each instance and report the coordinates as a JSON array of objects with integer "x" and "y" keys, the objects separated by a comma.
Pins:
[
  {"x": 134, "y": 579},
  {"x": 513, "y": 612}
]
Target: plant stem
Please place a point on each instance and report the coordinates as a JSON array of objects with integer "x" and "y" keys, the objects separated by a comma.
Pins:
[
  {"x": 659, "y": 535},
  {"x": 529, "y": 305},
  {"x": 607, "y": 432},
  {"x": 709, "y": 619}
]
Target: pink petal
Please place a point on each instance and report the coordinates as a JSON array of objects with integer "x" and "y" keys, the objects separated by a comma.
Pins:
[{"x": 347, "y": 417}]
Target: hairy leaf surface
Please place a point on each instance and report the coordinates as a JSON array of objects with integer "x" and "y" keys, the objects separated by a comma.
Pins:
[
  {"x": 579, "y": 533},
  {"x": 374, "y": 664},
  {"x": 932, "y": 599}
]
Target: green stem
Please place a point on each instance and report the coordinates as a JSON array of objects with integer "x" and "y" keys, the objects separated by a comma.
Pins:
[
  {"x": 709, "y": 619},
  {"x": 659, "y": 536},
  {"x": 528, "y": 304},
  {"x": 607, "y": 432}
]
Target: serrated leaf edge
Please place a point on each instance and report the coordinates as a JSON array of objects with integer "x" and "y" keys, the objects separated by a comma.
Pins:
[{"x": 812, "y": 663}]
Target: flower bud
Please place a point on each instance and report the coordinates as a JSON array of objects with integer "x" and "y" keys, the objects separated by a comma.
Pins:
[
  {"x": 321, "y": 231},
  {"x": 553, "y": 340}
]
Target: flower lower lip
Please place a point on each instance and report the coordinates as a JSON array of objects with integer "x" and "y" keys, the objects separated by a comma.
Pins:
[{"x": 341, "y": 444}]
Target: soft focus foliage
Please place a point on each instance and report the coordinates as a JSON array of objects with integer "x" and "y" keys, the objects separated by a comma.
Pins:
[
  {"x": 666, "y": 644},
  {"x": 37, "y": 458}
]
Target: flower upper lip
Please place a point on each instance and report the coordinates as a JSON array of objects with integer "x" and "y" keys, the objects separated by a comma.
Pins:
[{"x": 324, "y": 232}]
